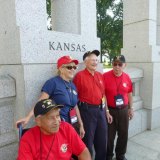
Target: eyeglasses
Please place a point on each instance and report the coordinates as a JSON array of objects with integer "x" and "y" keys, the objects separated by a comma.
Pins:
[
  {"x": 118, "y": 64},
  {"x": 71, "y": 67}
]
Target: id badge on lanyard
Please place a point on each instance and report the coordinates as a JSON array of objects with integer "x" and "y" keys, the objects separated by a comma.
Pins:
[
  {"x": 73, "y": 116},
  {"x": 119, "y": 100}
]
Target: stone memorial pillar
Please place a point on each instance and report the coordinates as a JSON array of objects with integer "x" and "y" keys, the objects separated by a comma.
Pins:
[
  {"x": 72, "y": 16},
  {"x": 141, "y": 48},
  {"x": 28, "y": 51}
]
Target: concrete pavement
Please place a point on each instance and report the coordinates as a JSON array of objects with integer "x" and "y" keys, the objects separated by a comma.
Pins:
[{"x": 144, "y": 146}]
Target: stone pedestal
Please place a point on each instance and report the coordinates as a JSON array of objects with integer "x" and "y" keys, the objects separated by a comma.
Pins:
[
  {"x": 7, "y": 108},
  {"x": 142, "y": 50}
]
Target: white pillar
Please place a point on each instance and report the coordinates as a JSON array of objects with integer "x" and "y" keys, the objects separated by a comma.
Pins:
[
  {"x": 74, "y": 16},
  {"x": 66, "y": 16},
  {"x": 140, "y": 46},
  {"x": 158, "y": 23}
]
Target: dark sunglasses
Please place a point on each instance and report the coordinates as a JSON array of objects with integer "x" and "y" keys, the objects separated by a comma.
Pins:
[
  {"x": 118, "y": 64},
  {"x": 71, "y": 67}
]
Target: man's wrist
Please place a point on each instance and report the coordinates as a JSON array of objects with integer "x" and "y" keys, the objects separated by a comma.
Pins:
[
  {"x": 107, "y": 110},
  {"x": 81, "y": 124},
  {"x": 130, "y": 107}
]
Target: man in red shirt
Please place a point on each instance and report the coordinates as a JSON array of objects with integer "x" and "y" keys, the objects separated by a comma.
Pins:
[
  {"x": 51, "y": 139},
  {"x": 90, "y": 87},
  {"x": 118, "y": 91}
]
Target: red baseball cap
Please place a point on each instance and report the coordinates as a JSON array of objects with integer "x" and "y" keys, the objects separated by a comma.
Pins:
[{"x": 66, "y": 60}]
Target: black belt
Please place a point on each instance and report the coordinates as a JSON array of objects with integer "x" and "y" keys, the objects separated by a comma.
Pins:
[
  {"x": 118, "y": 108},
  {"x": 90, "y": 105}
]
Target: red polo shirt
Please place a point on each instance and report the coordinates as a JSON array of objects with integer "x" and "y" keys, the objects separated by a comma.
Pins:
[
  {"x": 59, "y": 146},
  {"x": 116, "y": 85},
  {"x": 90, "y": 87}
]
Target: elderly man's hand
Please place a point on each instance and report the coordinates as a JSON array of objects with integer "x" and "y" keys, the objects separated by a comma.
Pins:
[
  {"x": 130, "y": 113},
  {"x": 81, "y": 131},
  {"x": 109, "y": 117}
]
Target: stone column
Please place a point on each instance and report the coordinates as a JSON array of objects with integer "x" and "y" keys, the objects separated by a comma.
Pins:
[
  {"x": 141, "y": 48},
  {"x": 158, "y": 23},
  {"x": 66, "y": 16},
  {"x": 78, "y": 17}
]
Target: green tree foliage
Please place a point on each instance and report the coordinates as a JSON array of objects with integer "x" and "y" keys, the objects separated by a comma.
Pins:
[
  {"x": 110, "y": 26},
  {"x": 48, "y": 8},
  {"x": 48, "y": 5}
]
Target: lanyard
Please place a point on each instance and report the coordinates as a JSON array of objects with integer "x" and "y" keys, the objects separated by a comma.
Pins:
[
  {"x": 98, "y": 83},
  {"x": 118, "y": 85},
  {"x": 69, "y": 91},
  {"x": 42, "y": 146}
]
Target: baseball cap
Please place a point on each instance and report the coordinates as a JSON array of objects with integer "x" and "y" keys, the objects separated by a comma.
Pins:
[
  {"x": 66, "y": 60},
  {"x": 44, "y": 106},
  {"x": 119, "y": 58},
  {"x": 96, "y": 52}
]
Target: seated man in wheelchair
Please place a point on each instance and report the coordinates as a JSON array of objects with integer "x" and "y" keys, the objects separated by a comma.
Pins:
[{"x": 51, "y": 138}]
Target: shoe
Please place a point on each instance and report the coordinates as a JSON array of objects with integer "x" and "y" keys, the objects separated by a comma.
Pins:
[{"x": 109, "y": 158}]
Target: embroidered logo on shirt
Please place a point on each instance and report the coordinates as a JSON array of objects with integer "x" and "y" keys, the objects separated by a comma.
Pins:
[
  {"x": 64, "y": 148},
  {"x": 125, "y": 85}
]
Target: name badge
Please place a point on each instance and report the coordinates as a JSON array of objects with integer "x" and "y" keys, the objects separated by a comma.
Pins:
[
  {"x": 73, "y": 116},
  {"x": 119, "y": 100}
]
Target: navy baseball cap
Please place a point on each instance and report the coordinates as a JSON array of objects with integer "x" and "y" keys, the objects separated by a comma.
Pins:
[
  {"x": 120, "y": 59},
  {"x": 44, "y": 106},
  {"x": 96, "y": 52}
]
